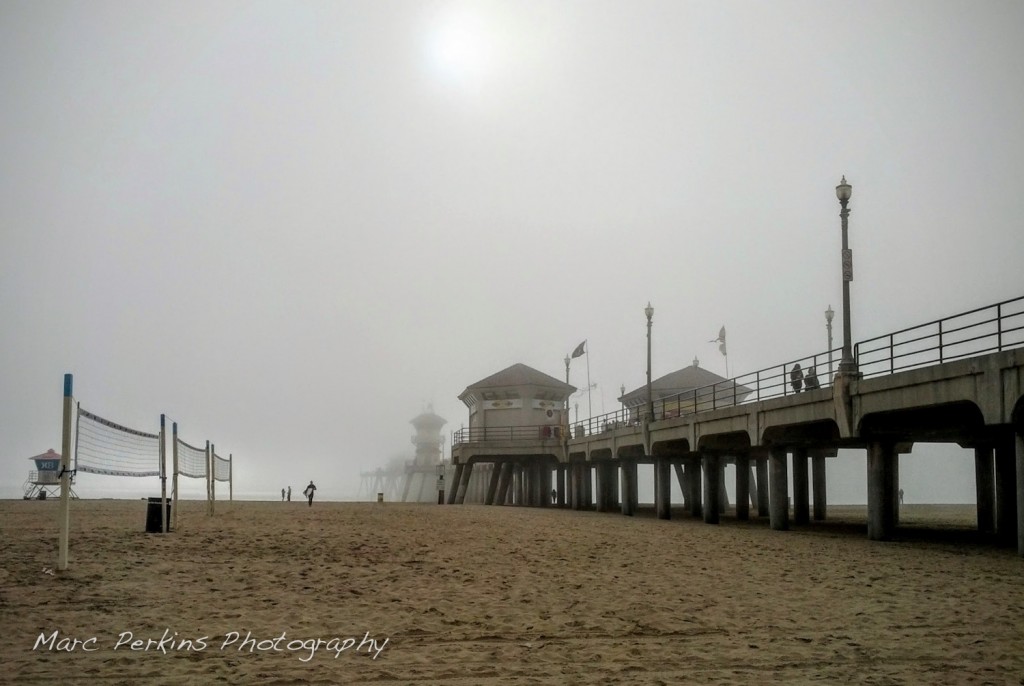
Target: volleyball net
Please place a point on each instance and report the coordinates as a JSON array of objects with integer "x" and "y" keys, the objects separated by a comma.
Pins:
[
  {"x": 105, "y": 447},
  {"x": 221, "y": 468},
  {"x": 190, "y": 461},
  {"x": 92, "y": 444}
]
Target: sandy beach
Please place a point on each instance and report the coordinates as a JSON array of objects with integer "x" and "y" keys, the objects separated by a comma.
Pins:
[{"x": 350, "y": 593}]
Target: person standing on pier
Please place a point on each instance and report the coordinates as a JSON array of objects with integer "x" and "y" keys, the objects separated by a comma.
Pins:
[
  {"x": 811, "y": 380},
  {"x": 796, "y": 378}
]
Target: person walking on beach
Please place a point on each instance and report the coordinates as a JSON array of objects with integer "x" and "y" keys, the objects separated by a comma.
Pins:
[
  {"x": 289, "y": 494},
  {"x": 282, "y": 495},
  {"x": 310, "y": 489}
]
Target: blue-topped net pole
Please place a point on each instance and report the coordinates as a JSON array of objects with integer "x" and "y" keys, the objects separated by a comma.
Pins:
[
  {"x": 163, "y": 477},
  {"x": 65, "y": 474},
  {"x": 209, "y": 471}
]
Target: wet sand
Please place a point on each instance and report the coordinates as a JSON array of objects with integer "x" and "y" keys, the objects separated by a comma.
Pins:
[{"x": 486, "y": 595}]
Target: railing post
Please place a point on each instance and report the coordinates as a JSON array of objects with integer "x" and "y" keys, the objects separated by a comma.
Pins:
[
  {"x": 940, "y": 341},
  {"x": 999, "y": 327},
  {"x": 892, "y": 355},
  {"x": 757, "y": 383}
]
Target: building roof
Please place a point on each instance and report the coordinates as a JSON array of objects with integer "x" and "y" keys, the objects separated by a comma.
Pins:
[
  {"x": 519, "y": 375},
  {"x": 428, "y": 419},
  {"x": 50, "y": 454},
  {"x": 679, "y": 381}
]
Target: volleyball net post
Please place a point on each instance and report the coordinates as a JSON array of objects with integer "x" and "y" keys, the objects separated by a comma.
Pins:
[
  {"x": 231, "y": 477},
  {"x": 64, "y": 515},
  {"x": 174, "y": 477},
  {"x": 163, "y": 477},
  {"x": 210, "y": 488},
  {"x": 212, "y": 481}
]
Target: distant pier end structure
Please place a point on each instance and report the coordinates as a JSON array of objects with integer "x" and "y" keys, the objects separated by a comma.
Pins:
[
  {"x": 421, "y": 475},
  {"x": 516, "y": 438},
  {"x": 682, "y": 391}
]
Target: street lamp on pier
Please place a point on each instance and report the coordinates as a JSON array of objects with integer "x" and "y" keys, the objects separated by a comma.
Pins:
[
  {"x": 829, "y": 313},
  {"x": 649, "y": 311},
  {"x": 568, "y": 420},
  {"x": 847, "y": 364}
]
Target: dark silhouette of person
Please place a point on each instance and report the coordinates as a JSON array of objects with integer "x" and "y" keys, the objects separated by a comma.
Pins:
[
  {"x": 282, "y": 495},
  {"x": 554, "y": 495},
  {"x": 310, "y": 490},
  {"x": 289, "y": 494},
  {"x": 796, "y": 378},
  {"x": 811, "y": 380}
]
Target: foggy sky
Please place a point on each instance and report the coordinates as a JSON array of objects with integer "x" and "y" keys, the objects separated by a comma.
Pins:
[{"x": 292, "y": 226}]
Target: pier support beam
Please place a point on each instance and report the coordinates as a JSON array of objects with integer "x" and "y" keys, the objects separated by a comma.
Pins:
[
  {"x": 607, "y": 486},
  {"x": 588, "y": 485},
  {"x": 895, "y": 489},
  {"x": 693, "y": 482},
  {"x": 506, "y": 483},
  {"x": 467, "y": 473},
  {"x": 663, "y": 487},
  {"x": 515, "y": 485},
  {"x": 492, "y": 484},
  {"x": 819, "y": 487},
  {"x": 453, "y": 487},
  {"x": 543, "y": 484},
  {"x": 881, "y": 479},
  {"x": 723, "y": 492},
  {"x": 712, "y": 477},
  {"x": 1007, "y": 478},
  {"x": 763, "y": 499},
  {"x": 629, "y": 487},
  {"x": 681, "y": 478},
  {"x": 742, "y": 487},
  {"x": 779, "y": 498},
  {"x": 572, "y": 475},
  {"x": 801, "y": 503},
  {"x": 1019, "y": 449},
  {"x": 560, "y": 486},
  {"x": 752, "y": 479},
  {"x": 985, "y": 488}
]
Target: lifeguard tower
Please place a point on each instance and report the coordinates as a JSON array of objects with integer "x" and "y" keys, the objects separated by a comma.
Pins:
[
  {"x": 44, "y": 480},
  {"x": 421, "y": 475},
  {"x": 514, "y": 442}
]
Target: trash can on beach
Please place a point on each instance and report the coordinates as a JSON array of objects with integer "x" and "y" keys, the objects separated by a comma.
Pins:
[{"x": 154, "y": 525}]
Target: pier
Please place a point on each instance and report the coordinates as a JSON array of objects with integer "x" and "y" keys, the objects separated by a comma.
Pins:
[{"x": 956, "y": 380}]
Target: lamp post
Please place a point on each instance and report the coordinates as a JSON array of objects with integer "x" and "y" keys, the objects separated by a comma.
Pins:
[
  {"x": 622, "y": 401},
  {"x": 568, "y": 420},
  {"x": 847, "y": 364},
  {"x": 829, "y": 313},
  {"x": 649, "y": 311}
]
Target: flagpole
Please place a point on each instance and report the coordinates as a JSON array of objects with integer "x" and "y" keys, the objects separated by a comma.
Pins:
[
  {"x": 590, "y": 407},
  {"x": 722, "y": 348}
]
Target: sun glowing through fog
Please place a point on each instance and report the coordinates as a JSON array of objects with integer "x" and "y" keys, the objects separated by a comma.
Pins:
[{"x": 460, "y": 48}]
